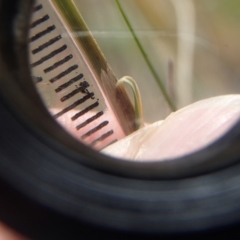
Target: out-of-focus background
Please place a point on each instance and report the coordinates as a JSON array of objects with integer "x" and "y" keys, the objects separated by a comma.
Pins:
[{"x": 198, "y": 38}]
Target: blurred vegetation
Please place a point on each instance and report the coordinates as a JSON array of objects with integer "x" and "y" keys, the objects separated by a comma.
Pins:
[{"x": 204, "y": 52}]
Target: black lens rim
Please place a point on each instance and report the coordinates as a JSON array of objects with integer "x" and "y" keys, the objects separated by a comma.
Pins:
[{"x": 43, "y": 165}]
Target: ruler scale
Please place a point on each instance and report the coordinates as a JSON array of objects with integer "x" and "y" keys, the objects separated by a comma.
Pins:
[{"x": 73, "y": 77}]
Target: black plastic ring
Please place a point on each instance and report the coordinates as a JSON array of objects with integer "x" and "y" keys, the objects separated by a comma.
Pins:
[{"x": 54, "y": 187}]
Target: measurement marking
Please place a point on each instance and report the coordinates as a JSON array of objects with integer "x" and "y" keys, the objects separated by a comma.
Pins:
[
  {"x": 70, "y": 82},
  {"x": 63, "y": 74},
  {"x": 47, "y": 44},
  {"x": 99, "y": 114},
  {"x": 103, "y": 137},
  {"x": 37, "y": 8},
  {"x": 89, "y": 108},
  {"x": 92, "y": 131},
  {"x": 43, "y": 33},
  {"x": 74, "y": 92},
  {"x": 39, "y": 21},
  {"x": 57, "y": 64},
  {"x": 50, "y": 55},
  {"x": 75, "y": 104}
]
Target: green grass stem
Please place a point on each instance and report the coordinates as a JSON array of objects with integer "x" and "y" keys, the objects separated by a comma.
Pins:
[{"x": 146, "y": 58}]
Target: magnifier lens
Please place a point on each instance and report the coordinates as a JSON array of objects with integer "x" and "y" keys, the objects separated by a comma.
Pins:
[{"x": 176, "y": 52}]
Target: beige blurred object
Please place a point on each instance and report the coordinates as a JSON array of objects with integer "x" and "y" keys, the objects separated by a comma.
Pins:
[
  {"x": 186, "y": 18},
  {"x": 182, "y": 132}
]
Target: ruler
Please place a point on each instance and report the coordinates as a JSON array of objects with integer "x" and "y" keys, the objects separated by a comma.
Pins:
[{"x": 73, "y": 77}]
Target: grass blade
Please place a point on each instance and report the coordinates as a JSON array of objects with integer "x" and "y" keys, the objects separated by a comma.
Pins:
[{"x": 146, "y": 58}]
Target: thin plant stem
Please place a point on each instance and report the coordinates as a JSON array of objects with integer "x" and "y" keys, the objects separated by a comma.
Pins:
[{"x": 146, "y": 58}]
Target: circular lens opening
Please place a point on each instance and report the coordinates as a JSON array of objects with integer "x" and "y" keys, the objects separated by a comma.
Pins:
[{"x": 176, "y": 66}]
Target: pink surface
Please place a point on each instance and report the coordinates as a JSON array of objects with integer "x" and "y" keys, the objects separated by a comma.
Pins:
[{"x": 182, "y": 132}]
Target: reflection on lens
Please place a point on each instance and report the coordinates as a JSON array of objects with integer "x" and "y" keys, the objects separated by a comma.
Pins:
[{"x": 182, "y": 55}]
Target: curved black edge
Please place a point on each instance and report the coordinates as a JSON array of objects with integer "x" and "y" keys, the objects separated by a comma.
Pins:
[
  {"x": 41, "y": 223},
  {"x": 15, "y": 82},
  {"x": 28, "y": 206},
  {"x": 29, "y": 203}
]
